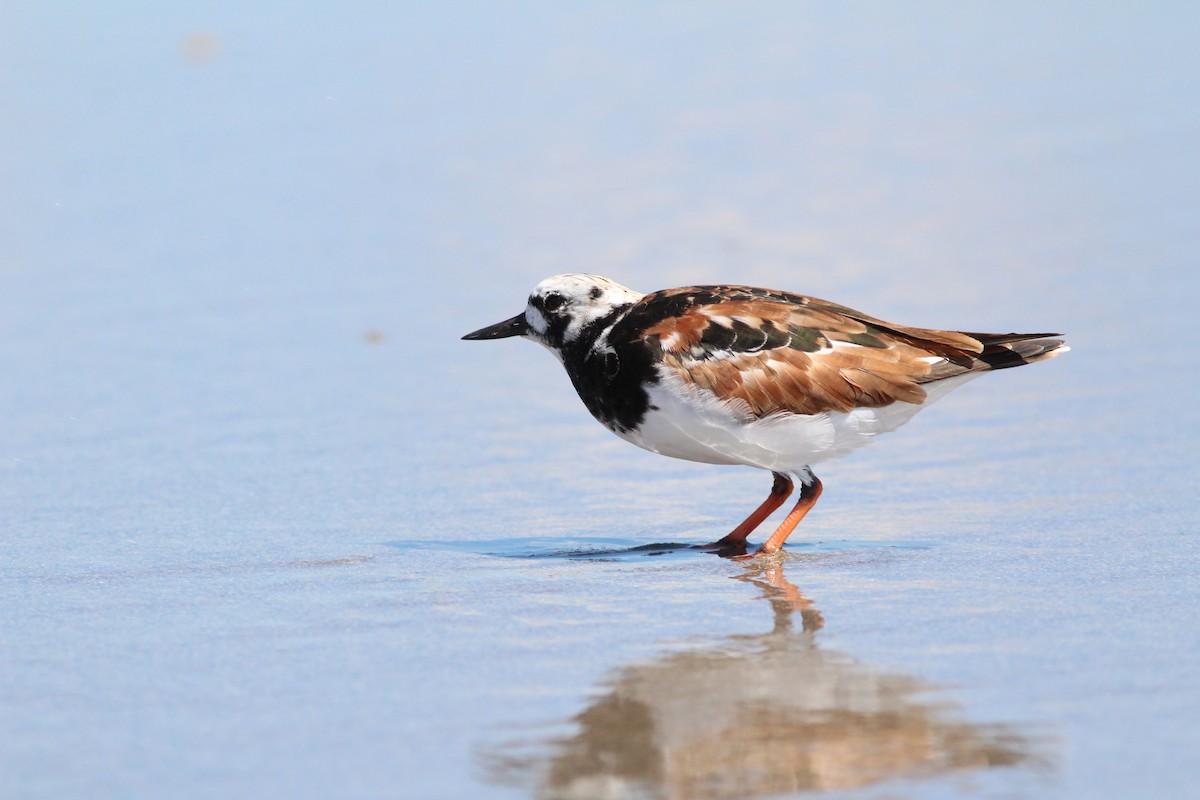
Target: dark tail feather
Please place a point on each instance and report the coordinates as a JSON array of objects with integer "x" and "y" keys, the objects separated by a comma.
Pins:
[
  {"x": 986, "y": 339},
  {"x": 1001, "y": 351}
]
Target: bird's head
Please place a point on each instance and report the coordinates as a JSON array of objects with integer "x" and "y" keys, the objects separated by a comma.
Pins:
[{"x": 565, "y": 309}]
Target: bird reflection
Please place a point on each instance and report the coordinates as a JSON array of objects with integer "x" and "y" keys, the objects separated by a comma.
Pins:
[{"x": 757, "y": 715}]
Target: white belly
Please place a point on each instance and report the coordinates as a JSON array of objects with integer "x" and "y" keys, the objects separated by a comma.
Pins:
[{"x": 690, "y": 423}]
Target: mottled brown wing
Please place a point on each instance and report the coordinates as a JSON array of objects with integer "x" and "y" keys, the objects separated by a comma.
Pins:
[{"x": 780, "y": 352}]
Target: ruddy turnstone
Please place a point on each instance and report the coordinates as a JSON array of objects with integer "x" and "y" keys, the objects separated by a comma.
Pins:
[{"x": 738, "y": 375}]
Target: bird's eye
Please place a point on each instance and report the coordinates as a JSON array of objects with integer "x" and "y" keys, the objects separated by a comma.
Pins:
[{"x": 553, "y": 302}]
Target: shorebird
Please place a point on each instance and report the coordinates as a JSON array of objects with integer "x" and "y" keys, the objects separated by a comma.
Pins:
[{"x": 757, "y": 377}]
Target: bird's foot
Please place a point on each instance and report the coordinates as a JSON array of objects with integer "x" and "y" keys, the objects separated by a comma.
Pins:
[
  {"x": 725, "y": 548},
  {"x": 761, "y": 552}
]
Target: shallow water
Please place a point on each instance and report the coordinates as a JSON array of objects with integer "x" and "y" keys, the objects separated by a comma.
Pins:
[{"x": 271, "y": 529}]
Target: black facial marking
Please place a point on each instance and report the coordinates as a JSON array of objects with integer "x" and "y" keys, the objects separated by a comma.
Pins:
[
  {"x": 593, "y": 329},
  {"x": 556, "y": 329},
  {"x": 596, "y": 292},
  {"x": 611, "y": 384}
]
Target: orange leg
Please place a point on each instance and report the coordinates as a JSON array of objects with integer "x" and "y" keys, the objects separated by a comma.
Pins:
[
  {"x": 779, "y": 492},
  {"x": 808, "y": 498}
]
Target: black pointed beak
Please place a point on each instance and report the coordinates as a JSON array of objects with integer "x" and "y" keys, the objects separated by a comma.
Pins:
[{"x": 502, "y": 330}]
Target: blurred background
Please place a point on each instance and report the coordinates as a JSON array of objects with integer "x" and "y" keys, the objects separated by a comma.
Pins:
[{"x": 270, "y": 527}]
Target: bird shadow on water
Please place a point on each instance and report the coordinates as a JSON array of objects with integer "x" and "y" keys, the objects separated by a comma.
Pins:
[
  {"x": 757, "y": 715},
  {"x": 598, "y": 548},
  {"x": 592, "y": 548}
]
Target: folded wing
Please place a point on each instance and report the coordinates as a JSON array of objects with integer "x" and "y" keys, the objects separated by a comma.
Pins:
[{"x": 777, "y": 352}]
